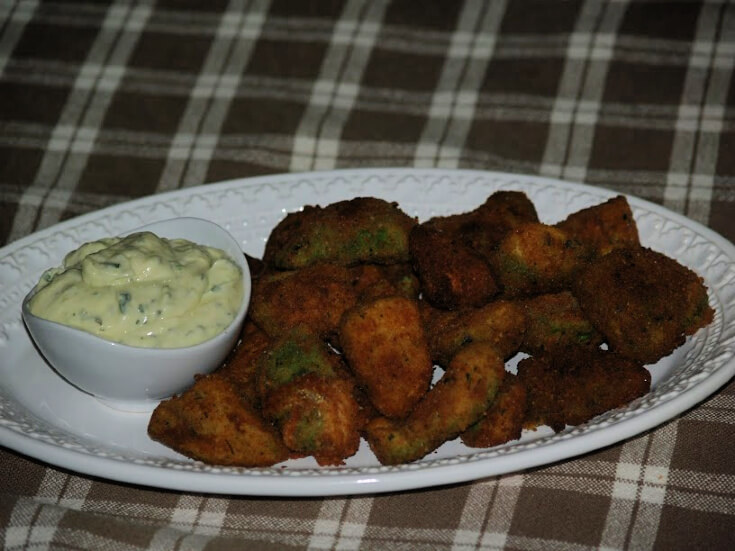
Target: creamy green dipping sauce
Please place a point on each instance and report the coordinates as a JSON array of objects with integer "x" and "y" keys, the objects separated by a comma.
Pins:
[{"x": 143, "y": 290}]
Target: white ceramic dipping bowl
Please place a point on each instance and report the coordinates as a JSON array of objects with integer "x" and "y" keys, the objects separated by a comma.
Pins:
[{"x": 131, "y": 378}]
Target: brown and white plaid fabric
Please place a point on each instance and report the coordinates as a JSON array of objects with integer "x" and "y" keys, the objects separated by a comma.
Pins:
[{"x": 102, "y": 102}]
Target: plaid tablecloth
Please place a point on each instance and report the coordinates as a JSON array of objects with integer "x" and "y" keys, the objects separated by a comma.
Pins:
[{"x": 104, "y": 102}]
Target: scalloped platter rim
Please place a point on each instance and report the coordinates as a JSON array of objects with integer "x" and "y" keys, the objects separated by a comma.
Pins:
[{"x": 44, "y": 417}]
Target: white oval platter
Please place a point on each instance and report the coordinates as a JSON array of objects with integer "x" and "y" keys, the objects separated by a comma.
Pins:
[{"x": 44, "y": 417}]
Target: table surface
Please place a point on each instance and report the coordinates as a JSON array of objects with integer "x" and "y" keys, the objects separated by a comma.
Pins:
[{"x": 102, "y": 103}]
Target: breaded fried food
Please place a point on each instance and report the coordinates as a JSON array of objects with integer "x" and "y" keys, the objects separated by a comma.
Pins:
[
  {"x": 210, "y": 422},
  {"x": 316, "y": 296},
  {"x": 501, "y": 323},
  {"x": 403, "y": 279},
  {"x": 385, "y": 346},
  {"x": 483, "y": 228},
  {"x": 317, "y": 416},
  {"x": 603, "y": 228},
  {"x": 503, "y": 421},
  {"x": 556, "y": 322},
  {"x": 537, "y": 258},
  {"x": 241, "y": 367},
  {"x": 458, "y": 400},
  {"x": 452, "y": 276},
  {"x": 307, "y": 393},
  {"x": 361, "y": 230},
  {"x": 643, "y": 302},
  {"x": 294, "y": 354},
  {"x": 574, "y": 387},
  {"x": 255, "y": 265},
  {"x": 374, "y": 280}
]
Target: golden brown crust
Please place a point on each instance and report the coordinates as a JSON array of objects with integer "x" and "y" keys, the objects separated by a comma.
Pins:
[
  {"x": 241, "y": 367},
  {"x": 211, "y": 423},
  {"x": 255, "y": 265},
  {"x": 556, "y": 322},
  {"x": 483, "y": 228},
  {"x": 643, "y": 302},
  {"x": 503, "y": 421},
  {"x": 384, "y": 343},
  {"x": 364, "y": 229},
  {"x": 374, "y": 281},
  {"x": 537, "y": 258},
  {"x": 452, "y": 276},
  {"x": 296, "y": 353},
  {"x": 572, "y": 388},
  {"x": 604, "y": 227},
  {"x": 501, "y": 323},
  {"x": 316, "y": 297},
  {"x": 458, "y": 400},
  {"x": 317, "y": 416}
]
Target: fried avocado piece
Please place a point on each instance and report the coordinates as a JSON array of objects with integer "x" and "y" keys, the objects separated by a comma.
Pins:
[
  {"x": 452, "y": 276},
  {"x": 503, "y": 421},
  {"x": 364, "y": 276},
  {"x": 317, "y": 416},
  {"x": 255, "y": 265},
  {"x": 373, "y": 281},
  {"x": 296, "y": 353},
  {"x": 403, "y": 279},
  {"x": 308, "y": 394},
  {"x": 361, "y": 230},
  {"x": 536, "y": 258},
  {"x": 574, "y": 387},
  {"x": 501, "y": 323},
  {"x": 556, "y": 322},
  {"x": 458, "y": 400},
  {"x": 211, "y": 423},
  {"x": 365, "y": 408},
  {"x": 241, "y": 367},
  {"x": 602, "y": 228},
  {"x": 483, "y": 228},
  {"x": 643, "y": 302},
  {"x": 316, "y": 296},
  {"x": 385, "y": 346}
]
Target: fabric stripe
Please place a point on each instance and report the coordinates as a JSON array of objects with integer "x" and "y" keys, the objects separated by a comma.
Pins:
[
  {"x": 639, "y": 490},
  {"x": 568, "y": 101},
  {"x": 712, "y": 119},
  {"x": 199, "y": 106},
  {"x": 585, "y": 113},
  {"x": 346, "y": 85},
  {"x": 72, "y": 138},
  {"x": 453, "y": 104},
  {"x": 689, "y": 136},
  {"x": 14, "y": 17},
  {"x": 500, "y": 516},
  {"x": 223, "y": 91},
  {"x": 473, "y": 531},
  {"x": 334, "y": 92},
  {"x": 355, "y": 521},
  {"x": 34, "y": 523},
  {"x": 195, "y": 520},
  {"x": 327, "y": 524}
]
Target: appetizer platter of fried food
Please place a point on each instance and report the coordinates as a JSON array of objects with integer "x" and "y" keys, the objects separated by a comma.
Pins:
[
  {"x": 366, "y": 323},
  {"x": 448, "y": 325}
]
